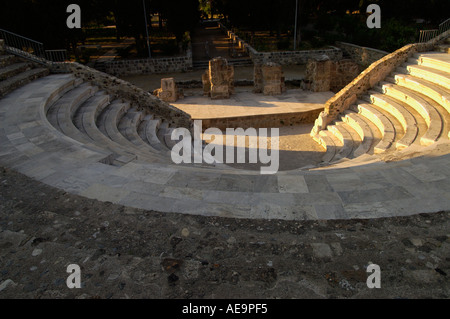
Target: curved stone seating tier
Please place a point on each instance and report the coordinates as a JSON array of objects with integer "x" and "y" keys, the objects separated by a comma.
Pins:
[
  {"x": 403, "y": 111},
  {"x": 75, "y": 137}
]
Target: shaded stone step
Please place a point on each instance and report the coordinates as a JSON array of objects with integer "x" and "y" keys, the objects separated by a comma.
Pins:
[
  {"x": 86, "y": 112},
  {"x": 162, "y": 131},
  {"x": 21, "y": 79},
  {"x": 128, "y": 127},
  {"x": 6, "y": 60},
  {"x": 345, "y": 138},
  {"x": 356, "y": 139},
  {"x": 394, "y": 108},
  {"x": 383, "y": 124},
  {"x": 142, "y": 126},
  {"x": 108, "y": 122},
  {"x": 150, "y": 130},
  {"x": 42, "y": 138},
  {"x": 327, "y": 140},
  {"x": 13, "y": 69},
  {"x": 66, "y": 106},
  {"x": 363, "y": 129}
]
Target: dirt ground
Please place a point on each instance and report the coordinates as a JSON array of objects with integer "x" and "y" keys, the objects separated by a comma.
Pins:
[{"x": 131, "y": 253}]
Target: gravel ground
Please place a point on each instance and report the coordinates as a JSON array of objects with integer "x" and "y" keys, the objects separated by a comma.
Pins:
[{"x": 131, "y": 253}]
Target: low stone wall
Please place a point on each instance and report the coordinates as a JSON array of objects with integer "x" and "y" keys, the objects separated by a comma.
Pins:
[
  {"x": 370, "y": 77},
  {"x": 282, "y": 57},
  {"x": 294, "y": 57},
  {"x": 118, "y": 88},
  {"x": 362, "y": 55},
  {"x": 263, "y": 120},
  {"x": 327, "y": 75},
  {"x": 2, "y": 46},
  {"x": 148, "y": 66}
]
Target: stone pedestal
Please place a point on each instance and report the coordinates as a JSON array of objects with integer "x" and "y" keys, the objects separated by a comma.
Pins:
[
  {"x": 318, "y": 74},
  {"x": 324, "y": 75},
  {"x": 218, "y": 80},
  {"x": 269, "y": 79},
  {"x": 169, "y": 91}
]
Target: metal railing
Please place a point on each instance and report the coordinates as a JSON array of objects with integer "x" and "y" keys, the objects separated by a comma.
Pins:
[
  {"x": 26, "y": 47},
  {"x": 427, "y": 35},
  {"x": 56, "y": 55},
  {"x": 444, "y": 26}
]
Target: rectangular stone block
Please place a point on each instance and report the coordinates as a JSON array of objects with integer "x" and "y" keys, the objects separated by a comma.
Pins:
[
  {"x": 218, "y": 80},
  {"x": 169, "y": 91}
]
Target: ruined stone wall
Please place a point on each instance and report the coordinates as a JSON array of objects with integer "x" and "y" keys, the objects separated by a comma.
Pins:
[
  {"x": 269, "y": 79},
  {"x": 362, "y": 55},
  {"x": 294, "y": 57},
  {"x": 326, "y": 75},
  {"x": 342, "y": 73},
  {"x": 148, "y": 66},
  {"x": 218, "y": 80}
]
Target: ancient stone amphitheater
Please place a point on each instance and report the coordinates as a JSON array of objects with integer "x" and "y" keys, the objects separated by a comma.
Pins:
[{"x": 386, "y": 137}]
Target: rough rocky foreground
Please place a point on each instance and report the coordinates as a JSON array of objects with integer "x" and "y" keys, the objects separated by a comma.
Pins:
[{"x": 131, "y": 253}]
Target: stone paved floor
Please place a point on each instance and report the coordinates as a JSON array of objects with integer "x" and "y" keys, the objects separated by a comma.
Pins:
[
  {"x": 132, "y": 253},
  {"x": 246, "y": 103}
]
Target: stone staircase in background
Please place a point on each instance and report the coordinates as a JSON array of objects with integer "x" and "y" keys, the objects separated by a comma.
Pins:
[
  {"x": 15, "y": 73},
  {"x": 409, "y": 110}
]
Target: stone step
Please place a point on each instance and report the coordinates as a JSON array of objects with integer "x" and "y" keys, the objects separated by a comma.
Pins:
[
  {"x": 122, "y": 155},
  {"x": 128, "y": 127},
  {"x": 345, "y": 138},
  {"x": 168, "y": 138},
  {"x": 397, "y": 126},
  {"x": 21, "y": 79},
  {"x": 162, "y": 131},
  {"x": 142, "y": 126},
  {"x": 424, "y": 108},
  {"x": 398, "y": 111},
  {"x": 424, "y": 87},
  {"x": 13, "y": 69},
  {"x": 363, "y": 129},
  {"x": 327, "y": 140},
  {"x": 87, "y": 111},
  {"x": 73, "y": 127},
  {"x": 383, "y": 124},
  {"x": 66, "y": 106},
  {"x": 42, "y": 137},
  {"x": 151, "y": 130},
  {"x": 432, "y": 75},
  {"x": 108, "y": 122},
  {"x": 6, "y": 60},
  {"x": 436, "y": 60},
  {"x": 356, "y": 139}
]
